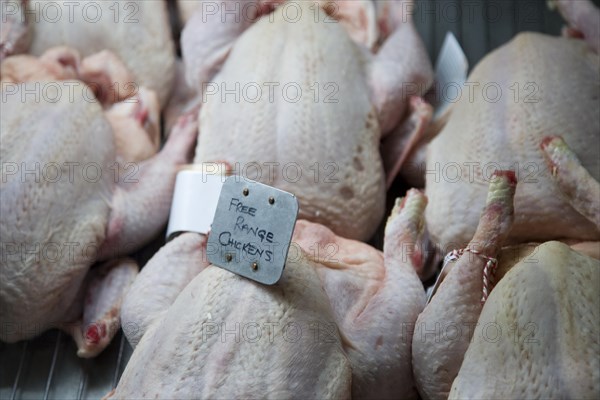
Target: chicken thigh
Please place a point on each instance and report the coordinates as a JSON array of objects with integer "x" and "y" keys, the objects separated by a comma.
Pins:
[
  {"x": 64, "y": 206},
  {"x": 308, "y": 117},
  {"x": 376, "y": 297},
  {"x": 338, "y": 321}
]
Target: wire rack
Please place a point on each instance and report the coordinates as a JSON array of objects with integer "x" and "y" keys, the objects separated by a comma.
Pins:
[{"x": 48, "y": 367}]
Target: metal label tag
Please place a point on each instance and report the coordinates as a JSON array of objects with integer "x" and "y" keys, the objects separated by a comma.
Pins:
[{"x": 252, "y": 229}]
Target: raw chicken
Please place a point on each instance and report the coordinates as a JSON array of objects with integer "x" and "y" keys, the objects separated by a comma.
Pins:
[
  {"x": 445, "y": 327},
  {"x": 454, "y": 321},
  {"x": 350, "y": 305},
  {"x": 132, "y": 112},
  {"x": 136, "y": 124},
  {"x": 375, "y": 299},
  {"x": 56, "y": 64},
  {"x": 406, "y": 140},
  {"x": 226, "y": 337},
  {"x": 540, "y": 78},
  {"x": 64, "y": 206},
  {"x": 583, "y": 18},
  {"x": 136, "y": 31},
  {"x": 537, "y": 336},
  {"x": 308, "y": 118},
  {"x": 574, "y": 182},
  {"x": 14, "y": 30},
  {"x": 187, "y": 9}
]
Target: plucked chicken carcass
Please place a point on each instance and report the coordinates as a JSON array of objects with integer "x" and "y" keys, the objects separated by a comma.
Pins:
[
  {"x": 136, "y": 31},
  {"x": 65, "y": 206},
  {"x": 351, "y": 309},
  {"x": 549, "y": 289},
  {"x": 190, "y": 348},
  {"x": 537, "y": 336},
  {"x": 526, "y": 315},
  {"x": 134, "y": 112},
  {"x": 307, "y": 117},
  {"x": 537, "y": 86}
]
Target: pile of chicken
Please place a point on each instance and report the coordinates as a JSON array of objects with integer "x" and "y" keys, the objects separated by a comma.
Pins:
[{"x": 515, "y": 311}]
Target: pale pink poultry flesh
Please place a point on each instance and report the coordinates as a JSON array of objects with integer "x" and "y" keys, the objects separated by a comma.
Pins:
[
  {"x": 482, "y": 136},
  {"x": 583, "y": 19},
  {"x": 443, "y": 330},
  {"x": 136, "y": 31},
  {"x": 537, "y": 335},
  {"x": 334, "y": 141},
  {"x": 575, "y": 183},
  {"x": 335, "y": 297},
  {"x": 15, "y": 34},
  {"x": 200, "y": 331},
  {"x": 133, "y": 111},
  {"x": 531, "y": 315},
  {"x": 64, "y": 207}
]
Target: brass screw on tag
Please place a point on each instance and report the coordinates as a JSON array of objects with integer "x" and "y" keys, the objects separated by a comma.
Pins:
[
  {"x": 228, "y": 257},
  {"x": 255, "y": 266},
  {"x": 271, "y": 200},
  {"x": 245, "y": 191}
]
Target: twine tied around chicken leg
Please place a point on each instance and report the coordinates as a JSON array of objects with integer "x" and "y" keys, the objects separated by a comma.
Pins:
[
  {"x": 489, "y": 271},
  {"x": 494, "y": 226}
]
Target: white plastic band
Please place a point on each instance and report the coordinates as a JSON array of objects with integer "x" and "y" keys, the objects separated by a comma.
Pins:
[{"x": 194, "y": 202}]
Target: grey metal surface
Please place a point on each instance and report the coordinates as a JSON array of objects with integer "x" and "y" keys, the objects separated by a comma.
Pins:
[
  {"x": 482, "y": 25},
  {"x": 48, "y": 368}
]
